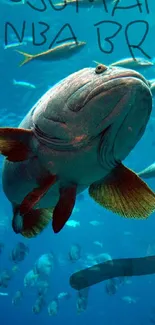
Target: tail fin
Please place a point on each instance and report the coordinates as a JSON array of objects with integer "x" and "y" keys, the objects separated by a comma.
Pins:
[{"x": 27, "y": 57}]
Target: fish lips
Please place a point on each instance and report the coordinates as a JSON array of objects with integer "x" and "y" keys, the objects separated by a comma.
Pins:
[
  {"x": 117, "y": 80},
  {"x": 104, "y": 87},
  {"x": 119, "y": 88},
  {"x": 130, "y": 117},
  {"x": 90, "y": 91}
]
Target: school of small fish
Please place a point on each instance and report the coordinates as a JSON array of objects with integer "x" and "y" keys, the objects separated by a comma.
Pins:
[{"x": 38, "y": 279}]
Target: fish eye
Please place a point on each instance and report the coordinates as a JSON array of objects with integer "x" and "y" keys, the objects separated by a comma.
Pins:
[{"x": 100, "y": 68}]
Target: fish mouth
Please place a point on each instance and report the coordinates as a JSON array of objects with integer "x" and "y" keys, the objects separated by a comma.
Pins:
[
  {"x": 111, "y": 150},
  {"x": 115, "y": 81},
  {"x": 110, "y": 82},
  {"x": 43, "y": 137},
  {"x": 54, "y": 142}
]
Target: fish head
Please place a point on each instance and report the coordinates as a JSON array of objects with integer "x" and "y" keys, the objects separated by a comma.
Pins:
[{"x": 110, "y": 104}]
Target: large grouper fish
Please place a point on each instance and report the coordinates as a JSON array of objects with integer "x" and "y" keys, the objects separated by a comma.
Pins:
[{"x": 75, "y": 137}]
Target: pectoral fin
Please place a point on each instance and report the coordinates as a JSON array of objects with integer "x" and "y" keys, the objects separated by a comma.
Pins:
[
  {"x": 123, "y": 192},
  {"x": 14, "y": 143},
  {"x": 64, "y": 207}
]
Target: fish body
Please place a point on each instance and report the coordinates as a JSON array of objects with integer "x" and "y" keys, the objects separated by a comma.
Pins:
[
  {"x": 53, "y": 307},
  {"x": 14, "y": 3},
  {"x": 17, "y": 297},
  {"x": 19, "y": 252},
  {"x": 62, "y": 295},
  {"x": 39, "y": 304},
  {"x": 28, "y": 38},
  {"x": 4, "y": 294},
  {"x": 96, "y": 223},
  {"x": 74, "y": 253},
  {"x": 75, "y": 138},
  {"x": 129, "y": 299},
  {"x": 103, "y": 257},
  {"x": 82, "y": 300},
  {"x": 31, "y": 279},
  {"x": 82, "y": 3},
  {"x": 73, "y": 223},
  {"x": 148, "y": 172},
  {"x": 131, "y": 63},
  {"x": 96, "y": 242},
  {"x": 9, "y": 46},
  {"x": 23, "y": 84},
  {"x": 44, "y": 265},
  {"x": 60, "y": 52}
]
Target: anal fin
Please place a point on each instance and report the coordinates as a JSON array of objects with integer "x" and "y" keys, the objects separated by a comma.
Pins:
[
  {"x": 123, "y": 192},
  {"x": 35, "y": 221},
  {"x": 32, "y": 223},
  {"x": 14, "y": 143},
  {"x": 64, "y": 207}
]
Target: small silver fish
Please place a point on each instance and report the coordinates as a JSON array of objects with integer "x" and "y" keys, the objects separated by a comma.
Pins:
[
  {"x": 64, "y": 295},
  {"x": 53, "y": 307},
  {"x": 129, "y": 299},
  {"x": 11, "y": 45},
  {"x": 131, "y": 63},
  {"x": 75, "y": 210},
  {"x": 23, "y": 84},
  {"x": 14, "y": 3},
  {"x": 28, "y": 39},
  {"x": 98, "y": 243},
  {"x": 96, "y": 223},
  {"x": 73, "y": 223},
  {"x": 60, "y": 52},
  {"x": 148, "y": 172},
  {"x": 74, "y": 253},
  {"x": 83, "y": 3},
  {"x": 4, "y": 294}
]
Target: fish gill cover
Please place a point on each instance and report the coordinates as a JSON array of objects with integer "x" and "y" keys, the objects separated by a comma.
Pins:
[{"x": 77, "y": 161}]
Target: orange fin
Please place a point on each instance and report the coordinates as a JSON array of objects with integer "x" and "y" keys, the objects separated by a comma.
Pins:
[
  {"x": 14, "y": 143},
  {"x": 64, "y": 207},
  {"x": 123, "y": 192},
  {"x": 37, "y": 193},
  {"x": 33, "y": 222}
]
